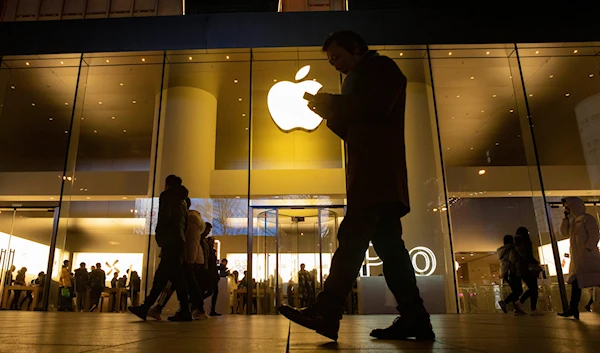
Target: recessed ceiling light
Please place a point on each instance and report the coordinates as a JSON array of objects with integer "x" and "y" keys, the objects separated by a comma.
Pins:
[
  {"x": 401, "y": 54},
  {"x": 100, "y": 103},
  {"x": 483, "y": 111},
  {"x": 537, "y": 51},
  {"x": 235, "y": 81},
  {"x": 472, "y": 77},
  {"x": 240, "y": 99},
  {"x": 497, "y": 144},
  {"x": 512, "y": 111},
  {"x": 32, "y": 104},
  {"x": 452, "y": 117},
  {"x": 113, "y": 118},
  {"x": 107, "y": 60},
  {"x": 66, "y": 132},
  {"x": 458, "y": 96},
  {"x": 51, "y": 118},
  {"x": 567, "y": 94},
  {"x": 530, "y": 94},
  {"x": 448, "y": 148},
  {"x": 481, "y": 171},
  {"x": 66, "y": 103},
  {"x": 487, "y": 53},
  {"x": 449, "y": 53},
  {"x": 121, "y": 84},
  {"x": 124, "y": 131},
  {"x": 124, "y": 198},
  {"x": 274, "y": 80},
  {"x": 62, "y": 62},
  {"x": 244, "y": 114},
  {"x": 131, "y": 210},
  {"x": 494, "y": 96},
  {"x": 227, "y": 57},
  {"x": 510, "y": 77},
  {"x": 190, "y": 58},
  {"x": 575, "y": 51},
  {"x": 134, "y": 102},
  {"x": 88, "y": 198},
  {"x": 551, "y": 76},
  {"x": 144, "y": 59},
  {"x": 471, "y": 148},
  {"x": 13, "y": 87},
  {"x": 590, "y": 76},
  {"x": 27, "y": 63},
  {"x": 95, "y": 131},
  {"x": 246, "y": 129}
]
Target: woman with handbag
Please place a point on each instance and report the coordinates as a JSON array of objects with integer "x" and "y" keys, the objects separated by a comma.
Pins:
[
  {"x": 584, "y": 270},
  {"x": 528, "y": 268},
  {"x": 65, "y": 302}
]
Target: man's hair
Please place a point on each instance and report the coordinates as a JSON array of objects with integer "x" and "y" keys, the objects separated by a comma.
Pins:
[
  {"x": 523, "y": 231},
  {"x": 348, "y": 40},
  {"x": 188, "y": 202},
  {"x": 82, "y": 264},
  {"x": 98, "y": 265},
  {"x": 208, "y": 224},
  {"x": 66, "y": 262},
  {"x": 173, "y": 180},
  {"x": 224, "y": 260},
  {"x": 508, "y": 239}
]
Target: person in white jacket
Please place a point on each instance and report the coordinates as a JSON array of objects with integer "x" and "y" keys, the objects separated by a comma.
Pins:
[{"x": 584, "y": 270}]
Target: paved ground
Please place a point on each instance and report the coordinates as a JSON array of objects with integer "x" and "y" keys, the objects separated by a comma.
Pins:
[{"x": 109, "y": 333}]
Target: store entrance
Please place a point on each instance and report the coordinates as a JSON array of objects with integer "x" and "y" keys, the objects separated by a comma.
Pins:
[
  {"x": 292, "y": 249},
  {"x": 25, "y": 236}
]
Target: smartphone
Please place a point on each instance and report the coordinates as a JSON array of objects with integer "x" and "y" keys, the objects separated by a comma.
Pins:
[{"x": 308, "y": 96}]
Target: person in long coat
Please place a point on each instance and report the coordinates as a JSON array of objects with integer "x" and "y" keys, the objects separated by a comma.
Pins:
[{"x": 584, "y": 270}]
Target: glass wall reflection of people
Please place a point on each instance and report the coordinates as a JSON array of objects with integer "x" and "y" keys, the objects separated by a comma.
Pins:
[{"x": 306, "y": 289}]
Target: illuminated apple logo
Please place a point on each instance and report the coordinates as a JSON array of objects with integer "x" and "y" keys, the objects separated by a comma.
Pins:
[{"x": 287, "y": 104}]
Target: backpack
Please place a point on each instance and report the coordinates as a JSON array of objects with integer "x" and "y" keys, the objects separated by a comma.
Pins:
[{"x": 97, "y": 279}]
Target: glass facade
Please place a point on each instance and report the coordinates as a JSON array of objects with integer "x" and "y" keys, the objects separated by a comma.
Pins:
[{"x": 496, "y": 135}]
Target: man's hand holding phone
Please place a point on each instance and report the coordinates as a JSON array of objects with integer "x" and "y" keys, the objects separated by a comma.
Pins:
[{"x": 319, "y": 103}]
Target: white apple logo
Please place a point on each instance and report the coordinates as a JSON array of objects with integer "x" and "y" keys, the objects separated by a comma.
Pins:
[{"x": 287, "y": 104}]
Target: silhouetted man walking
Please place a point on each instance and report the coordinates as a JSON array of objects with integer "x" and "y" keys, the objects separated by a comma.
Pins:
[{"x": 369, "y": 117}]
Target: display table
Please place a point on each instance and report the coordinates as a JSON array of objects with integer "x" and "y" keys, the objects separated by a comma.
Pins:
[{"x": 35, "y": 290}]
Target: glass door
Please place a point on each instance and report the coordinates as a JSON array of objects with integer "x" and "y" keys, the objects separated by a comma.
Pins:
[
  {"x": 264, "y": 282},
  {"x": 25, "y": 235}
]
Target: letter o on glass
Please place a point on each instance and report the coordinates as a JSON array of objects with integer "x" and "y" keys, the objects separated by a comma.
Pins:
[{"x": 430, "y": 261}]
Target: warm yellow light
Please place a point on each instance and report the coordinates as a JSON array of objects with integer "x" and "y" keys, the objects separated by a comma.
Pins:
[
  {"x": 482, "y": 171},
  {"x": 190, "y": 58},
  {"x": 107, "y": 60},
  {"x": 472, "y": 77},
  {"x": 144, "y": 59},
  {"x": 450, "y": 53},
  {"x": 227, "y": 57},
  {"x": 567, "y": 94},
  {"x": 401, "y": 54},
  {"x": 575, "y": 51},
  {"x": 287, "y": 105},
  {"x": 27, "y": 63},
  {"x": 487, "y": 53}
]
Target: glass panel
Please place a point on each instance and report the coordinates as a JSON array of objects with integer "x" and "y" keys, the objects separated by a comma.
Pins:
[
  {"x": 8, "y": 268},
  {"x": 562, "y": 85},
  {"x": 264, "y": 264},
  {"x": 491, "y": 171},
  {"x": 203, "y": 138}
]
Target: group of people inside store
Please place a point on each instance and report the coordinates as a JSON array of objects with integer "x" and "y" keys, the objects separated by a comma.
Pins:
[
  {"x": 23, "y": 299},
  {"x": 188, "y": 259},
  {"x": 82, "y": 290},
  {"x": 518, "y": 264}
]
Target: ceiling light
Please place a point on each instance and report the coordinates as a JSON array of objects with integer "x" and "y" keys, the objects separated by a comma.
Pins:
[
  {"x": 235, "y": 81},
  {"x": 144, "y": 59},
  {"x": 472, "y": 77},
  {"x": 32, "y": 104},
  {"x": 497, "y": 143},
  {"x": 487, "y": 53},
  {"x": 401, "y": 54},
  {"x": 444, "y": 209},
  {"x": 567, "y": 94},
  {"x": 50, "y": 118},
  {"x": 121, "y": 84},
  {"x": 13, "y": 87},
  {"x": 237, "y": 197},
  {"x": 124, "y": 131},
  {"x": 131, "y": 210},
  {"x": 575, "y": 51},
  {"x": 27, "y": 63},
  {"x": 62, "y": 62},
  {"x": 66, "y": 103},
  {"x": 494, "y": 96},
  {"x": 537, "y": 51},
  {"x": 240, "y": 99},
  {"x": 52, "y": 198},
  {"x": 246, "y": 129},
  {"x": 124, "y": 198},
  {"x": 471, "y": 148},
  {"x": 227, "y": 57},
  {"x": 190, "y": 58},
  {"x": 435, "y": 210},
  {"x": 244, "y": 114},
  {"x": 512, "y": 111},
  {"x": 530, "y": 94},
  {"x": 88, "y": 198},
  {"x": 510, "y": 77},
  {"x": 448, "y": 148},
  {"x": 95, "y": 131},
  {"x": 113, "y": 118},
  {"x": 100, "y": 103},
  {"x": 452, "y": 117},
  {"x": 66, "y": 132},
  {"x": 590, "y": 76},
  {"x": 450, "y": 53},
  {"x": 458, "y": 96},
  {"x": 274, "y": 80},
  {"x": 551, "y": 76},
  {"x": 134, "y": 102},
  {"x": 481, "y": 171}
]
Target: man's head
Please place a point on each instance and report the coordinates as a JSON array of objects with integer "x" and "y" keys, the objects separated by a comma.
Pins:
[
  {"x": 93, "y": 268},
  {"x": 82, "y": 265},
  {"x": 66, "y": 263},
  {"x": 208, "y": 227},
  {"x": 116, "y": 275},
  {"x": 344, "y": 50},
  {"x": 172, "y": 180},
  {"x": 224, "y": 262},
  {"x": 508, "y": 239},
  {"x": 210, "y": 241},
  {"x": 302, "y": 267},
  {"x": 98, "y": 265},
  {"x": 188, "y": 202}
]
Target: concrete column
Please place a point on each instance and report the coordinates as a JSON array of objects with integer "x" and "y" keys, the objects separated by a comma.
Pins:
[{"x": 186, "y": 139}]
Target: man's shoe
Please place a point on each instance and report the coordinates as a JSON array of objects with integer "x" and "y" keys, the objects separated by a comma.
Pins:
[
  {"x": 214, "y": 313},
  {"x": 519, "y": 309},
  {"x": 199, "y": 315},
  {"x": 155, "y": 314},
  {"x": 570, "y": 312},
  {"x": 312, "y": 319},
  {"x": 403, "y": 329},
  {"x": 139, "y": 311},
  {"x": 503, "y": 306},
  {"x": 181, "y": 316}
]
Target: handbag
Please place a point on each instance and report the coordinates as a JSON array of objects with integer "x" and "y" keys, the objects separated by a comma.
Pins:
[{"x": 65, "y": 292}]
